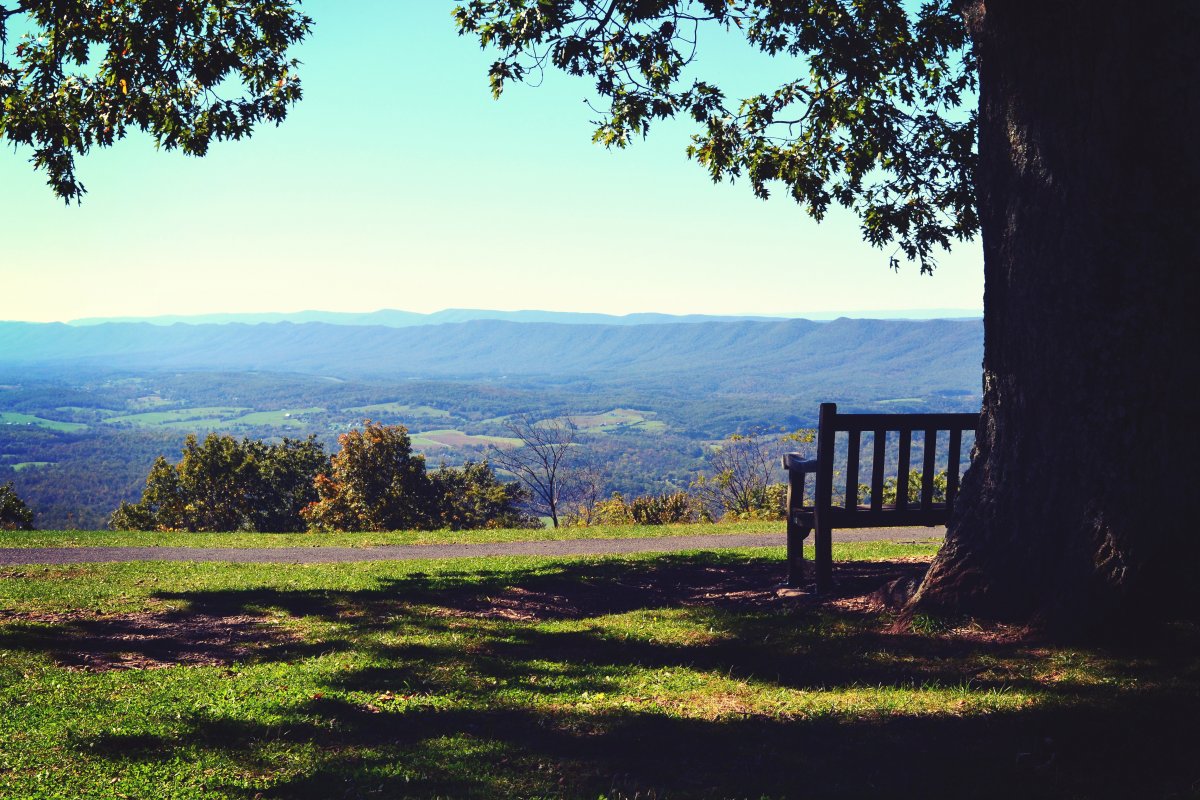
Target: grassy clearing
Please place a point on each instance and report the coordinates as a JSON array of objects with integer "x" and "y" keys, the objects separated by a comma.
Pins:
[
  {"x": 202, "y": 415},
  {"x": 14, "y": 418},
  {"x": 141, "y": 539},
  {"x": 282, "y": 418},
  {"x": 402, "y": 410},
  {"x": 667, "y": 676},
  {"x": 22, "y": 465},
  {"x": 457, "y": 438}
]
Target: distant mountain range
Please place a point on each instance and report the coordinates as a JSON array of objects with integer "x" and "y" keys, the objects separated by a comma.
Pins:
[
  {"x": 879, "y": 357},
  {"x": 394, "y": 318}
]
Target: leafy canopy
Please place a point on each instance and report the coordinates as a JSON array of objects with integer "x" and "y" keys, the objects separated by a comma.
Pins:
[
  {"x": 874, "y": 119},
  {"x": 222, "y": 484},
  {"x": 377, "y": 483},
  {"x": 14, "y": 514},
  {"x": 78, "y": 74}
]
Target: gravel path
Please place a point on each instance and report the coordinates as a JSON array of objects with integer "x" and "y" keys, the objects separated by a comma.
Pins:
[{"x": 326, "y": 555}]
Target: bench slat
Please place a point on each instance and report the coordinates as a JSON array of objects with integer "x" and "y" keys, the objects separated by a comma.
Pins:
[
  {"x": 853, "y": 446},
  {"x": 877, "y": 470},
  {"x": 902, "y": 469},
  {"x": 927, "y": 467},
  {"x": 892, "y": 422},
  {"x": 952, "y": 457},
  {"x": 888, "y": 517}
]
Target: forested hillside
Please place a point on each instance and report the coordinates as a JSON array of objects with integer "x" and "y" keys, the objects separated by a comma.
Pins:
[{"x": 84, "y": 410}]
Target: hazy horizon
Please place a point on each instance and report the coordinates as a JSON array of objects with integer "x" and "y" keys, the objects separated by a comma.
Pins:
[{"x": 814, "y": 315}]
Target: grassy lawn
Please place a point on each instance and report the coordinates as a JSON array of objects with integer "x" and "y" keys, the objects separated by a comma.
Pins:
[
  {"x": 644, "y": 676},
  {"x": 140, "y": 539}
]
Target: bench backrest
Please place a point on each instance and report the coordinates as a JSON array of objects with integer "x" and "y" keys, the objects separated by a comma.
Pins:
[{"x": 924, "y": 511}]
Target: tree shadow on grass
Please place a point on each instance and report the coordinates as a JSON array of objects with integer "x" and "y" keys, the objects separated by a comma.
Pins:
[
  {"x": 1131, "y": 747},
  {"x": 476, "y": 686}
]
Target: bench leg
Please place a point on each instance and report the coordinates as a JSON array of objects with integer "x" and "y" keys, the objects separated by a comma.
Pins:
[
  {"x": 823, "y": 558},
  {"x": 796, "y": 534}
]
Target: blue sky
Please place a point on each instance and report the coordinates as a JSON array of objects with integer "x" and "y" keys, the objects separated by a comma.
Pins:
[{"x": 399, "y": 183}]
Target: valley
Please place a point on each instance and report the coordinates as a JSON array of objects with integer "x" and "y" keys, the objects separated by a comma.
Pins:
[{"x": 83, "y": 413}]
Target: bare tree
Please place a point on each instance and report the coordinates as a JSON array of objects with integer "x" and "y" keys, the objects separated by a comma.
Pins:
[
  {"x": 542, "y": 462},
  {"x": 742, "y": 470},
  {"x": 584, "y": 485}
]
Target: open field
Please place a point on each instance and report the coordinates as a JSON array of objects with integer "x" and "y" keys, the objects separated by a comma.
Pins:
[
  {"x": 14, "y": 418},
  {"x": 20, "y": 465},
  {"x": 456, "y": 438},
  {"x": 282, "y": 418},
  {"x": 652, "y": 677},
  {"x": 403, "y": 410},
  {"x": 619, "y": 420},
  {"x": 184, "y": 417}
]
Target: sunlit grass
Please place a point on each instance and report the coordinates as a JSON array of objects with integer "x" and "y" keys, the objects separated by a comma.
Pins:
[
  {"x": 183, "y": 539},
  {"x": 650, "y": 676}
]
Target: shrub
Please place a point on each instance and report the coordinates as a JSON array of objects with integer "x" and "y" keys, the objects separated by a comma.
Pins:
[
  {"x": 667, "y": 508},
  {"x": 14, "y": 514},
  {"x": 223, "y": 484}
]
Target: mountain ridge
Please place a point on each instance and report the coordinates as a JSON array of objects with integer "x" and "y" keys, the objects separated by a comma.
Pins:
[
  {"x": 398, "y": 318},
  {"x": 709, "y": 356}
]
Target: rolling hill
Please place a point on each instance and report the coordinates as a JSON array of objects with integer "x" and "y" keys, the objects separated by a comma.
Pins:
[{"x": 895, "y": 357}]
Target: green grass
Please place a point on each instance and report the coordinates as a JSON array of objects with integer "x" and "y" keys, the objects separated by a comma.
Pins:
[
  {"x": 283, "y": 418},
  {"x": 14, "y": 418},
  {"x": 141, "y": 539},
  {"x": 20, "y": 465},
  {"x": 652, "y": 676},
  {"x": 619, "y": 420},
  {"x": 456, "y": 438},
  {"x": 401, "y": 410},
  {"x": 203, "y": 415}
]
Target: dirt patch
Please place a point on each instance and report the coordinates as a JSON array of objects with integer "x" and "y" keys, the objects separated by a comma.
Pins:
[{"x": 100, "y": 643}]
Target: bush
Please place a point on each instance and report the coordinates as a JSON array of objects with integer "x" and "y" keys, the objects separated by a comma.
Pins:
[
  {"x": 14, "y": 514},
  {"x": 668, "y": 508},
  {"x": 664, "y": 509},
  {"x": 224, "y": 484},
  {"x": 473, "y": 497},
  {"x": 377, "y": 483}
]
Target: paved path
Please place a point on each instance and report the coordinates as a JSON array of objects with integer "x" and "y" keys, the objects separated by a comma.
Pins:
[{"x": 547, "y": 547}]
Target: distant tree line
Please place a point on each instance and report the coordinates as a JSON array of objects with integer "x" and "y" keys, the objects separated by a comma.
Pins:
[{"x": 374, "y": 483}]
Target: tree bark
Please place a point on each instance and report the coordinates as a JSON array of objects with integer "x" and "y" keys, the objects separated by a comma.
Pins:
[{"x": 1075, "y": 510}]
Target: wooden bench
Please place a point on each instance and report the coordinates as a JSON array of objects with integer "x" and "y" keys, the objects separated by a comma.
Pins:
[{"x": 823, "y": 516}]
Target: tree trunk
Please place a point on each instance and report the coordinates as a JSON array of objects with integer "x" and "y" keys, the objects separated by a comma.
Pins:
[{"x": 1073, "y": 511}]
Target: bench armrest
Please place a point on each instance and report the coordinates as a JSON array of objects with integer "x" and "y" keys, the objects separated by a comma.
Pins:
[{"x": 794, "y": 461}]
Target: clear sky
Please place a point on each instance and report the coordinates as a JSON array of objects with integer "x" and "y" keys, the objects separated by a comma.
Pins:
[{"x": 399, "y": 183}]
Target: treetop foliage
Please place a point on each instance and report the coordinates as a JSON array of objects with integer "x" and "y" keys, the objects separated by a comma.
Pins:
[
  {"x": 374, "y": 483},
  {"x": 78, "y": 74},
  {"x": 14, "y": 514},
  {"x": 873, "y": 121},
  {"x": 223, "y": 484}
]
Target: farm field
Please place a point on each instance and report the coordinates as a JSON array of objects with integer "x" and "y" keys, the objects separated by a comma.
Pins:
[
  {"x": 184, "y": 417},
  {"x": 622, "y": 420},
  {"x": 14, "y": 418},
  {"x": 457, "y": 438},
  {"x": 218, "y": 417},
  {"x": 649, "y": 676},
  {"x": 402, "y": 410}
]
